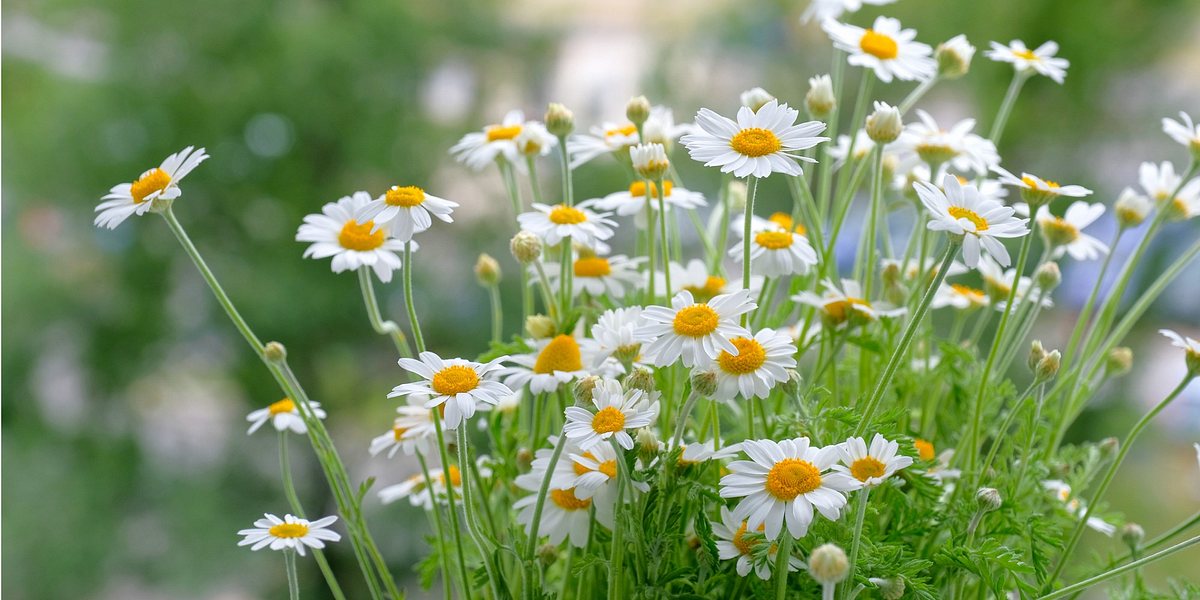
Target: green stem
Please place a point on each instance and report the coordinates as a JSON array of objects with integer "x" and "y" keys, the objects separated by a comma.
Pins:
[
  {"x": 455, "y": 532},
  {"x": 381, "y": 326},
  {"x": 859, "y": 517},
  {"x": 469, "y": 517},
  {"x": 782, "y": 563},
  {"x": 1010, "y": 99},
  {"x": 651, "y": 253},
  {"x": 662, "y": 221},
  {"x": 843, "y": 201},
  {"x": 915, "y": 96},
  {"x": 681, "y": 419},
  {"x": 1085, "y": 313},
  {"x": 747, "y": 218},
  {"x": 289, "y": 559},
  {"x": 497, "y": 313},
  {"x": 408, "y": 299},
  {"x": 289, "y": 491},
  {"x": 1137, "y": 564},
  {"x": 868, "y": 259},
  {"x": 439, "y": 529},
  {"x": 1001, "y": 433},
  {"x": 617, "y": 552},
  {"x": 531, "y": 578}
]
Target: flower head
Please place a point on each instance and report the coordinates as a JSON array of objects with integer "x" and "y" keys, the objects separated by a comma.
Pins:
[
  {"x": 1191, "y": 348},
  {"x": 342, "y": 233},
  {"x": 758, "y": 143},
  {"x": 284, "y": 415},
  {"x": 649, "y": 160},
  {"x": 599, "y": 276},
  {"x": 956, "y": 147},
  {"x": 162, "y": 182},
  {"x": 615, "y": 333},
  {"x": 565, "y": 513},
  {"x": 885, "y": 48},
  {"x": 845, "y": 304},
  {"x": 459, "y": 384},
  {"x": 407, "y": 209},
  {"x": 1024, "y": 60},
  {"x": 411, "y": 431},
  {"x": 961, "y": 210},
  {"x": 1065, "y": 233},
  {"x": 289, "y": 533},
  {"x": 777, "y": 251},
  {"x": 954, "y": 57},
  {"x": 554, "y": 223},
  {"x": 554, "y": 361},
  {"x": 617, "y": 412},
  {"x": 873, "y": 464},
  {"x": 479, "y": 149},
  {"x": 1185, "y": 132},
  {"x": 633, "y": 201},
  {"x": 695, "y": 331},
  {"x": 1037, "y": 191},
  {"x": 736, "y": 540},
  {"x": 760, "y": 363}
]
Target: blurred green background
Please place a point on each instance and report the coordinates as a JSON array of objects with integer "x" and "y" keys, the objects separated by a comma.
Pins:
[{"x": 126, "y": 468}]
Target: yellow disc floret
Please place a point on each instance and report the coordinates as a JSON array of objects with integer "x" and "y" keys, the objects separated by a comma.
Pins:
[
  {"x": 288, "y": 530},
  {"x": 712, "y": 286},
  {"x": 503, "y": 132},
  {"x": 867, "y": 467},
  {"x": 749, "y": 358},
  {"x": 566, "y": 215},
  {"x": 879, "y": 45},
  {"x": 283, "y": 406},
  {"x": 561, "y": 354},
  {"x": 755, "y": 141},
  {"x": 358, "y": 236},
  {"x": 774, "y": 240},
  {"x": 959, "y": 212},
  {"x": 697, "y": 320},
  {"x": 924, "y": 449},
  {"x": 455, "y": 379},
  {"x": 407, "y": 196},
  {"x": 592, "y": 267},
  {"x": 567, "y": 500},
  {"x": 153, "y": 181},
  {"x": 637, "y": 189},
  {"x": 608, "y": 420},
  {"x": 792, "y": 477}
]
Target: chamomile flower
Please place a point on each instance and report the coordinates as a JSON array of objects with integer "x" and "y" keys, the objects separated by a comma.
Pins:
[
  {"x": 615, "y": 333},
  {"x": 1062, "y": 491},
  {"x": 961, "y": 210},
  {"x": 736, "y": 540},
  {"x": 1160, "y": 181},
  {"x": 608, "y": 276},
  {"x": 618, "y": 138},
  {"x": 699, "y": 452},
  {"x": 695, "y": 331},
  {"x": 775, "y": 251},
  {"x": 289, "y": 533},
  {"x": 553, "y": 362},
  {"x": 337, "y": 232},
  {"x": 758, "y": 143},
  {"x": 587, "y": 471},
  {"x": 284, "y": 415},
  {"x": 822, "y": 10},
  {"x": 1190, "y": 347},
  {"x": 957, "y": 147},
  {"x": 696, "y": 279},
  {"x": 554, "y": 223},
  {"x": 845, "y": 303},
  {"x": 784, "y": 482},
  {"x": 423, "y": 493},
  {"x": 1024, "y": 60},
  {"x": 127, "y": 199},
  {"x": 479, "y": 149},
  {"x": 633, "y": 200},
  {"x": 564, "y": 514},
  {"x": 1184, "y": 131},
  {"x": 457, "y": 383},
  {"x": 760, "y": 363},
  {"x": 960, "y": 296},
  {"x": 1065, "y": 233},
  {"x": 998, "y": 283},
  {"x": 874, "y": 464},
  {"x": 1036, "y": 190},
  {"x": 407, "y": 209},
  {"x": 411, "y": 431},
  {"x": 617, "y": 411},
  {"x": 884, "y": 48}
]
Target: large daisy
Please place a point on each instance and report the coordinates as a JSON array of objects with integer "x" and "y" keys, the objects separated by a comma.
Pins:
[
  {"x": 1065, "y": 233},
  {"x": 736, "y": 540},
  {"x": 599, "y": 276},
  {"x": 775, "y": 251},
  {"x": 407, "y": 209},
  {"x": 289, "y": 533},
  {"x": 554, "y": 223},
  {"x": 961, "y": 210},
  {"x": 617, "y": 412},
  {"x": 337, "y": 232},
  {"x": 1024, "y": 60},
  {"x": 565, "y": 515},
  {"x": 553, "y": 362},
  {"x": 459, "y": 384},
  {"x": 873, "y": 464},
  {"x": 760, "y": 363},
  {"x": 758, "y": 143},
  {"x": 885, "y": 48},
  {"x": 127, "y": 199},
  {"x": 697, "y": 331}
]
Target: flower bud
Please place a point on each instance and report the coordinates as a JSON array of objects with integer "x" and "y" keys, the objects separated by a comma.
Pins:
[
  {"x": 891, "y": 588},
  {"x": 540, "y": 327},
  {"x": 1109, "y": 446},
  {"x": 647, "y": 445},
  {"x": 1119, "y": 361},
  {"x": 526, "y": 247},
  {"x": 791, "y": 386},
  {"x": 1047, "y": 368},
  {"x": 524, "y": 459},
  {"x": 893, "y": 288},
  {"x": 1131, "y": 208},
  {"x": 988, "y": 499},
  {"x": 1036, "y": 353},
  {"x": 737, "y": 196},
  {"x": 828, "y": 564},
  {"x": 755, "y": 98},
  {"x": 954, "y": 57},
  {"x": 583, "y": 390},
  {"x": 560, "y": 121},
  {"x": 1133, "y": 534},
  {"x": 640, "y": 379},
  {"x": 820, "y": 100},
  {"x": 547, "y": 554},
  {"x": 274, "y": 351},
  {"x": 884, "y": 125},
  {"x": 704, "y": 383},
  {"x": 1048, "y": 276},
  {"x": 649, "y": 160},
  {"x": 487, "y": 270},
  {"x": 637, "y": 110}
]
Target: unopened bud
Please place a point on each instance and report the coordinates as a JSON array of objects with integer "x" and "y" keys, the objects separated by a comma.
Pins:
[
  {"x": 704, "y": 383},
  {"x": 884, "y": 125},
  {"x": 1048, "y": 276},
  {"x": 1131, "y": 208},
  {"x": 487, "y": 270},
  {"x": 737, "y": 196},
  {"x": 524, "y": 458},
  {"x": 274, "y": 351},
  {"x": 1047, "y": 368},
  {"x": 893, "y": 288},
  {"x": 560, "y": 122},
  {"x": 547, "y": 554},
  {"x": 1133, "y": 534},
  {"x": 988, "y": 499},
  {"x": 755, "y": 98},
  {"x": 828, "y": 564},
  {"x": 649, "y": 160},
  {"x": 526, "y": 247},
  {"x": 647, "y": 445},
  {"x": 1109, "y": 446},
  {"x": 820, "y": 100},
  {"x": 954, "y": 57},
  {"x": 637, "y": 110},
  {"x": 791, "y": 385},
  {"x": 540, "y": 327},
  {"x": 1119, "y": 361},
  {"x": 1036, "y": 353},
  {"x": 891, "y": 588},
  {"x": 640, "y": 379},
  {"x": 583, "y": 389}
]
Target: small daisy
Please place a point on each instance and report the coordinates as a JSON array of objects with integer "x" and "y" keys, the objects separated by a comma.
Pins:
[
  {"x": 411, "y": 431},
  {"x": 564, "y": 514},
  {"x": 885, "y": 48},
  {"x": 873, "y": 465},
  {"x": 1184, "y": 131},
  {"x": 615, "y": 333},
  {"x": 1190, "y": 347},
  {"x": 697, "y": 331},
  {"x": 758, "y": 144},
  {"x": 617, "y": 138},
  {"x": 617, "y": 411},
  {"x": 758, "y": 366},
  {"x": 479, "y": 149},
  {"x": 784, "y": 482},
  {"x": 1062, "y": 491},
  {"x": 736, "y": 540},
  {"x": 289, "y": 533},
  {"x": 844, "y": 304},
  {"x": 553, "y": 362},
  {"x": 127, "y": 199},
  {"x": 1161, "y": 181},
  {"x": 956, "y": 147},
  {"x": 408, "y": 209},
  {"x": 457, "y": 383},
  {"x": 702, "y": 284},
  {"x": 534, "y": 140},
  {"x": 419, "y": 493},
  {"x": 633, "y": 201},
  {"x": 699, "y": 452},
  {"x": 999, "y": 282},
  {"x": 775, "y": 252},
  {"x": 962, "y": 297},
  {"x": 554, "y": 223},
  {"x": 284, "y": 415},
  {"x": 1065, "y": 233},
  {"x": 823, "y": 10},
  {"x": 1036, "y": 190},
  {"x": 599, "y": 276},
  {"x": 961, "y": 210},
  {"x": 337, "y": 232},
  {"x": 940, "y": 471},
  {"x": 1025, "y": 60}
]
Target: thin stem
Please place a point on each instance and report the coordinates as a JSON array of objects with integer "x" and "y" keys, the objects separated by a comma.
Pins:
[
  {"x": 289, "y": 491},
  {"x": 868, "y": 258},
  {"x": 535, "y": 524},
  {"x": 547, "y": 293},
  {"x": 617, "y": 552},
  {"x": 289, "y": 559},
  {"x": 1018, "y": 404},
  {"x": 859, "y": 517},
  {"x": 782, "y": 563},
  {"x": 662, "y": 221},
  {"x": 856, "y": 121},
  {"x": 651, "y": 253},
  {"x": 469, "y": 516},
  {"x": 439, "y": 529},
  {"x": 497, "y": 313},
  {"x": 681, "y": 418},
  {"x": 408, "y": 298},
  {"x": 1086, "y": 312},
  {"x": 914, "y": 96},
  {"x": 381, "y": 326},
  {"x": 746, "y": 226},
  {"x": 1010, "y": 99},
  {"x": 1137, "y": 564},
  {"x": 455, "y": 532}
]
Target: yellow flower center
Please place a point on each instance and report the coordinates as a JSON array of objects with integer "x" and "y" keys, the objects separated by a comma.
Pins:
[
  {"x": 455, "y": 379},
  {"x": 879, "y": 45},
  {"x": 712, "y": 286},
  {"x": 561, "y": 354},
  {"x": 1029, "y": 181},
  {"x": 567, "y": 500},
  {"x": 697, "y": 320},
  {"x": 959, "y": 212},
  {"x": 974, "y": 295},
  {"x": 774, "y": 240},
  {"x": 608, "y": 420},
  {"x": 1059, "y": 232},
  {"x": 785, "y": 221},
  {"x": 283, "y": 406},
  {"x": 839, "y": 310},
  {"x": 358, "y": 236},
  {"x": 455, "y": 477},
  {"x": 744, "y": 545},
  {"x": 626, "y": 130},
  {"x": 792, "y": 477},
  {"x": 866, "y": 468},
  {"x": 755, "y": 141},
  {"x": 566, "y": 215},
  {"x": 154, "y": 180},
  {"x": 503, "y": 132},
  {"x": 924, "y": 449},
  {"x": 407, "y": 196},
  {"x": 637, "y": 189},
  {"x": 592, "y": 267},
  {"x": 608, "y": 467},
  {"x": 288, "y": 530},
  {"x": 399, "y": 432},
  {"x": 749, "y": 358},
  {"x": 1026, "y": 54}
]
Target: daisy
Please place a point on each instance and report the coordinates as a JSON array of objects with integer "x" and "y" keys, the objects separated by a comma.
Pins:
[
  {"x": 553, "y": 362},
  {"x": 962, "y": 297},
  {"x": 784, "y": 482},
  {"x": 1190, "y": 347},
  {"x": 999, "y": 283},
  {"x": 284, "y": 415},
  {"x": 459, "y": 384},
  {"x": 411, "y": 431},
  {"x": 1062, "y": 491},
  {"x": 408, "y": 209},
  {"x": 608, "y": 276},
  {"x": 534, "y": 140},
  {"x": 479, "y": 149},
  {"x": 736, "y": 540},
  {"x": 1036, "y": 190},
  {"x": 618, "y": 138},
  {"x": 873, "y": 465},
  {"x": 1160, "y": 182},
  {"x": 1184, "y": 131},
  {"x": 759, "y": 365},
  {"x": 615, "y": 333},
  {"x": 960, "y": 210},
  {"x": 697, "y": 331},
  {"x": 823, "y": 10},
  {"x": 1065, "y": 233},
  {"x": 337, "y": 232},
  {"x": 564, "y": 514},
  {"x": 633, "y": 201},
  {"x": 617, "y": 411},
  {"x": 699, "y": 452},
  {"x": 419, "y": 492},
  {"x": 956, "y": 147},
  {"x": 289, "y": 533},
  {"x": 554, "y": 223},
  {"x": 1024, "y": 60},
  {"x": 758, "y": 144},
  {"x": 127, "y": 199},
  {"x": 844, "y": 304},
  {"x": 885, "y": 48},
  {"x": 940, "y": 471},
  {"x": 775, "y": 252},
  {"x": 702, "y": 284}
]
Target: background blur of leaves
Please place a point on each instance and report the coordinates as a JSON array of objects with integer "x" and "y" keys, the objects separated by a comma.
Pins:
[{"x": 126, "y": 467}]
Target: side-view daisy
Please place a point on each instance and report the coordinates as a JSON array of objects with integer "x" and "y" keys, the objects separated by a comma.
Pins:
[
  {"x": 775, "y": 251},
  {"x": 758, "y": 143},
  {"x": 760, "y": 363},
  {"x": 284, "y": 415},
  {"x": 1065, "y": 233},
  {"x": 1190, "y": 347},
  {"x": 998, "y": 283},
  {"x": 1038, "y": 191},
  {"x": 703, "y": 284},
  {"x": 956, "y": 147},
  {"x": 615, "y": 333},
  {"x": 1024, "y": 60},
  {"x": 422, "y": 493},
  {"x": 695, "y": 331},
  {"x": 459, "y": 384},
  {"x": 874, "y": 464},
  {"x": 127, "y": 199},
  {"x": 1062, "y": 491},
  {"x": 736, "y": 540},
  {"x": 884, "y": 48},
  {"x": 599, "y": 276},
  {"x": 617, "y": 411},
  {"x": 961, "y": 210},
  {"x": 289, "y": 533},
  {"x": 479, "y": 149},
  {"x": 564, "y": 515},
  {"x": 412, "y": 430},
  {"x": 823, "y": 10},
  {"x": 553, "y": 362},
  {"x": 1184, "y": 131},
  {"x": 554, "y": 223},
  {"x": 960, "y": 296},
  {"x": 845, "y": 304},
  {"x": 338, "y": 233},
  {"x": 633, "y": 201},
  {"x": 841, "y": 152},
  {"x": 407, "y": 209}
]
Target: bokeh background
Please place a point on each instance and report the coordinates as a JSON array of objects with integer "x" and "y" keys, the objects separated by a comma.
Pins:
[{"x": 126, "y": 468}]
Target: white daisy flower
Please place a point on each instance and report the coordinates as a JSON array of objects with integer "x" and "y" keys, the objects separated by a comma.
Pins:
[
  {"x": 699, "y": 452},
  {"x": 1065, "y": 233},
  {"x": 823, "y": 10},
  {"x": 872, "y": 465},
  {"x": 956, "y": 147},
  {"x": 940, "y": 471},
  {"x": 411, "y": 431},
  {"x": 1038, "y": 190},
  {"x": 844, "y": 304},
  {"x": 554, "y": 223},
  {"x": 1190, "y": 347},
  {"x": 407, "y": 209},
  {"x": 289, "y": 533},
  {"x": 775, "y": 252},
  {"x": 961, "y": 210},
  {"x": 960, "y": 296},
  {"x": 554, "y": 361},
  {"x": 127, "y": 199},
  {"x": 459, "y": 384},
  {"x": 615, "y": 333},
  {"x": 534, "y": 140},
  {"x": 1062, "y": 491},
  {"x": 608, "y": 276},
  {"x": 736, "y": 540},
  {"x": 616, "y": 138},
  {"x": 884, "y": 48},
  {"x": 1160, "y": 181},
  {"x": 565, "y": 515},
  {"x": 633, "y": 201},
  {"x": 1184, "y": 131},
  {"x": 1024, "y": 60},
  {"x": 783, "y": 482},
  {"x": 338, "y": 233},
  {"x": 759, "y": 365},
  {"x": 479, "y": 149},
  {"x": 420, "y": 493},
  {"x": 697, "y": 331},
  {"x": 616, "y": 412},
  {"x": 999, "y": 282},
  {"x": 702, "y": 284},
  {"x": 758, "y": 144},
  {"x": 284, "y": 415},
  {"x": 990, "y": 189}
]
